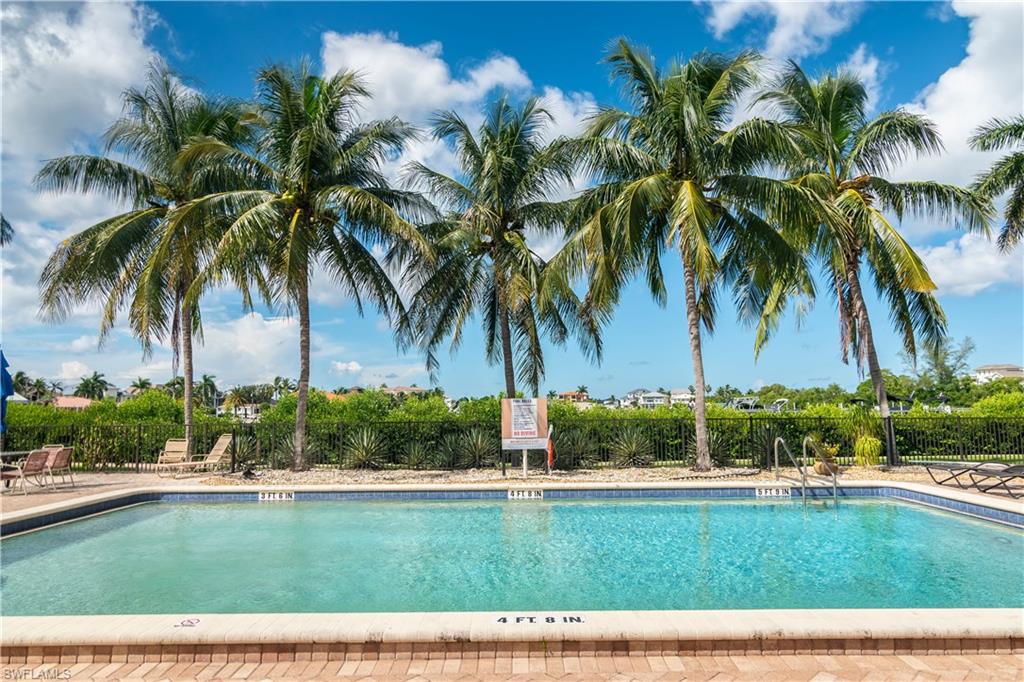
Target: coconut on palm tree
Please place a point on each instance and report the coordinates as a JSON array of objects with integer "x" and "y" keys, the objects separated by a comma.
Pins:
[
  {"x": 311, "y": 194},
  {"x": 1005, "y": 175},
  {"x": 140, "y": 260},
  {"x": 669, "y": 178},
  {"x": 502, "y": 196},
  {"x": 838, "y": 155}
]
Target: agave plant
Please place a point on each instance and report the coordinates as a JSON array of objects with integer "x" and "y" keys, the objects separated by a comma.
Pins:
[
  {"x": 632, "y": 447},
  {"x": 448, "y": 451},
  {"x": 416, "y": 455},
  {"x": 478, "y": 449},
  {"x": 365, "y": 449},
  {"x": 718, "y": 450},
  {"x": 574, "y": 449}
]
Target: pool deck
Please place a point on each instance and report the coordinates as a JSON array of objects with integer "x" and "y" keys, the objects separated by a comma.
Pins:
[{"x": 363, "y": 642}]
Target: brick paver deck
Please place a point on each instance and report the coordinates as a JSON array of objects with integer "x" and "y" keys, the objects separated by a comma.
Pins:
[{"x": 820, "y": 668}]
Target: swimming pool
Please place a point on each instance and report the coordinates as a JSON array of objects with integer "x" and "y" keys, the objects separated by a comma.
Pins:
[{"x": 491, "y": 555}]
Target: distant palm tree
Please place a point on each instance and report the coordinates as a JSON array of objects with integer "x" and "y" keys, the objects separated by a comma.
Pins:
[
  {"x": 57, "y": 387},
  {"x": 6, "y": 231},
  {"x": 1006, "y": 174},
  {"x": 92, "y": 386},
  {"x": 207, "y": 390},
  {"x": 836, "y": 154},
  {"x": 671, "y": 177},
  {"x": 141, "y": 384},
  {"x": 38, "y": 390},
  {"x": 142, "y": 260},
  {"x": 283, "y": 386},
  {"x": 503, "y": 189},
  {"x": 582, "y": 388},
  {"x": 313, "y": 193},
  {"x": 21, "y": 382},
  {"x": 175, "y": 387},
  {"x": 552, "y": 394}
]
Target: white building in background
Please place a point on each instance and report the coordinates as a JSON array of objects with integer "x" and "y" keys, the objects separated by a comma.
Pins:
[
  {"x": 987, "y": 373},
  {"x": 652, "y": 399},
  {"x": 681, "y": 396}
]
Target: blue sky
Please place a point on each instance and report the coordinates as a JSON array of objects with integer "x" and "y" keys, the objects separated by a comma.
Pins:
[{"x": 65, "y": 65}]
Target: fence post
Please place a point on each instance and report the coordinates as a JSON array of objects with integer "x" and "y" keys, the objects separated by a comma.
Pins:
[
  {"x": 750, "y": 437},
  {"x": 138, "y": 448},
  {"x": 890, "y": 441}
]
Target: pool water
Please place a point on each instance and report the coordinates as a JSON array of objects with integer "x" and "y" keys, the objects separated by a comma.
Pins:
[{"x": 502, "y": 556}]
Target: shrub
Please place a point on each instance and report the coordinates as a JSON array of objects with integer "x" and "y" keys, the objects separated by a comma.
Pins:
[
  {"x": 477, "y": 448},
  {"x": 365, "y": 449},
  {"x": 1000, "y": 405},
  {"x": 574, "y": 448},
  {"x": 416, "y": 455},
  {"x": 867, "y": 451},
  {"x": 632, "y": 447}
]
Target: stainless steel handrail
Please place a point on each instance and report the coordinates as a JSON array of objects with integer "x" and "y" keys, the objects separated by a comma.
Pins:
[
  {"x": 809, "y": 443},
  {"x": 803, "y": 474}
]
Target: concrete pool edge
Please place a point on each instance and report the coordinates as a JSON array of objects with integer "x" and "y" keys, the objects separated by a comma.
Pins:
[
  {"x": 1011, "y": 511},
  {"x": 265, "y": 637}
]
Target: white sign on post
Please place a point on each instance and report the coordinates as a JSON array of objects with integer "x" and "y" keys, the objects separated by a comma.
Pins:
[{"x": 524, "y": 425}]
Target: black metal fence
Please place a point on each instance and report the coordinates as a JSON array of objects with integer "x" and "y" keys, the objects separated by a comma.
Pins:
[{"x": 581, "y": 443}]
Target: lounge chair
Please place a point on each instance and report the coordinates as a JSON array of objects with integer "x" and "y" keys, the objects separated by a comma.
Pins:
[
  {"x": 60, "y": 463},
  {"x": 987, "y": 480},
  {"x": 958, "y": 472},
  {"x": 219, "y": 453},
  {"x": 32, "y": 467},
  {"x": 173, "y": 456}
]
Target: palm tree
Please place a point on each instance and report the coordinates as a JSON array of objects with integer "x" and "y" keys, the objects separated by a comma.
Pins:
[
  {"x": 311, "y": 193},
  {"x": 92, "y": 386},
  {"x": 670, "y": 177},
  {"x": 175, "y": 387},
  {"x": 837, "y": 155},
  {"x": 56, "y": 387},
  {"x": 582, "y": 388},
  {"x": 552, "y": 394},
  {"x": 38, "y": 390},
  {"x": 141, "y": 260},
  {"x": 6, "y": 231},
  {"x": 141, "y": 384},
  {"x": 1005, "y": 175},
  {"x": 283, "y": 386},
  {"x": 484, "y": 264},
  {"x": 207, "y": 390},
  {"x": 21, "y": 381}
]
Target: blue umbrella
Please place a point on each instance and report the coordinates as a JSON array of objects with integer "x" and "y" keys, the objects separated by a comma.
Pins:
[{"x": 6, "y": 390}]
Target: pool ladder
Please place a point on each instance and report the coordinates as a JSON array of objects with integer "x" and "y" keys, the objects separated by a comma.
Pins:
[{"x": 808, "y": 445}]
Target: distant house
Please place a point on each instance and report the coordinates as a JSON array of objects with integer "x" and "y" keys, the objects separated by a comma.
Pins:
[
  {"x": 652, "y": 399},
  {"x": 987, "y": 373},
  {"x": 116, "y": 394},
  {"x": 403, "y": 390},
  {"x": 681, "y": 396},
  {"x": 574, "y": 396},
  {"x": 71, "y": 402},
  {"x": 248, "y": 413}
]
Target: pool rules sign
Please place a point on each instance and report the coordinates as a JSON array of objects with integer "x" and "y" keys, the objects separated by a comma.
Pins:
[{"x": 524, "y": 425}]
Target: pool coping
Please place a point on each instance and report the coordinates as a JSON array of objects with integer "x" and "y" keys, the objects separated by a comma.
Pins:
[
  {"x": 479, "y": 627},
  {"x": 988, "y": 507}
]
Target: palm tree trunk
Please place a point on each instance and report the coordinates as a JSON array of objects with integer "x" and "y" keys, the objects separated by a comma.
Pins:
[
  {"x": 860, "y": 311},
  {"x": 506, "y": 338},
  {"x": 300, "y": 411},
  {"x": 703, "y": 462},
  {"x": 186, "y": 368}
]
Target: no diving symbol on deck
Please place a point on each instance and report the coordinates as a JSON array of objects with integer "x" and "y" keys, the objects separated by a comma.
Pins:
[{"x": 187, "y": 623}]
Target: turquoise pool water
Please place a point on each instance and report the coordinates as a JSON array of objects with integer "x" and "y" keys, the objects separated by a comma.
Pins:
[{"x": 502, "y": 556}]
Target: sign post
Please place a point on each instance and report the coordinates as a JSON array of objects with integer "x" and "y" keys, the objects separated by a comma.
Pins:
[{"x": 524, "y": 425}]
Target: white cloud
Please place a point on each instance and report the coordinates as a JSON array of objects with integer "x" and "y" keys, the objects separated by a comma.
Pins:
[
  {"x": 870, "y": 70},
  {"x": 413, "y": 81},
  {"x": 798, "y": 28},
  {"x": 971, "y": 264},
  {"x": 74, "y": 370},
  {"x": 64, "y": 69},
  {"x": 82, "y": 344},
  {"x": 987, "y": 83},
  {"x": 346, "y": 367}
]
